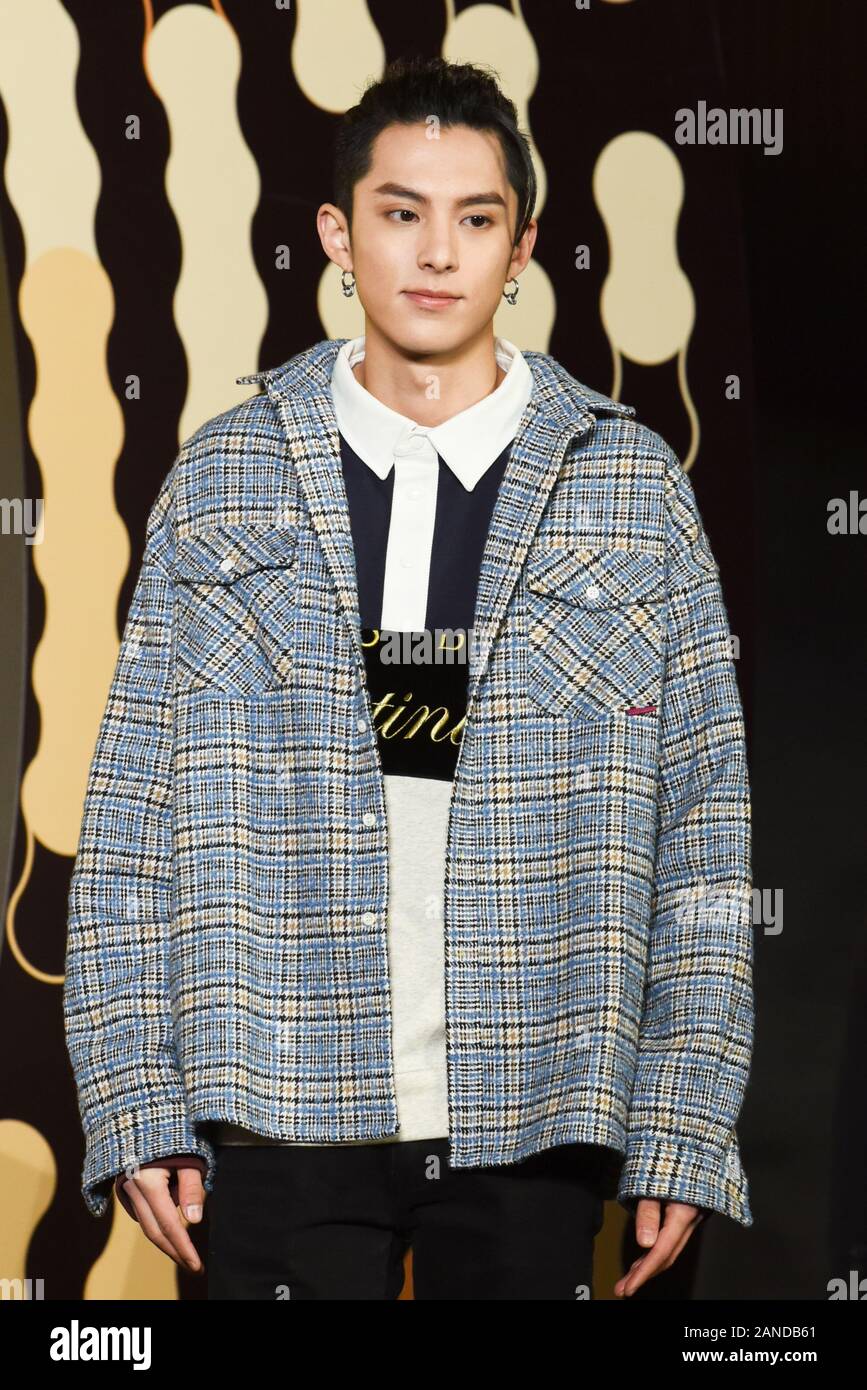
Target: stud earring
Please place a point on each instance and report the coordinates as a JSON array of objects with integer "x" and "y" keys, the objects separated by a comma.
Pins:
[{"x": 347, "y": 289}]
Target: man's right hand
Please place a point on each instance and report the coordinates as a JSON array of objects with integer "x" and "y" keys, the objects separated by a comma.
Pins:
[{"x": 159, "y": 1218}]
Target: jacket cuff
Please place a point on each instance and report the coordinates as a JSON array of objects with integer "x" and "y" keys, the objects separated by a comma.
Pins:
[
  {"x": 174, "y": 1162},
  {"x": 679, "y": 1170},
  {"x": 128, "y": 1139}
]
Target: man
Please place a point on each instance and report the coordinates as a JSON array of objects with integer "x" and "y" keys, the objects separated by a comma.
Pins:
[{"x": 412, "y": 903}]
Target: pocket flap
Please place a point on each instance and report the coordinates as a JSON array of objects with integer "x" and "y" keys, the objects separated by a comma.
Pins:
[
  {"x": 222, "y": 554},
  {"x": 597, "y": 578}
]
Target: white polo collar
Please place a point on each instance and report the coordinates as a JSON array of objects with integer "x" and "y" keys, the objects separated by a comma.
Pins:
[{"x": 468, "y": 443}]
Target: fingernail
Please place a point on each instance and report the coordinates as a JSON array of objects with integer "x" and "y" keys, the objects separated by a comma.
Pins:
[
  {"x": 645, "y": 1236},
  {"x": 194, "y": 1213}
]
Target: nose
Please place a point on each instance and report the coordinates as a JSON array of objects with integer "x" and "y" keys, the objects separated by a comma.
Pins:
[{"x": 438, "y": 246}]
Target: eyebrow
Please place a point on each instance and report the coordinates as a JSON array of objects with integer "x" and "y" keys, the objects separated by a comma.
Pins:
[{"x": 397, "y": 190}]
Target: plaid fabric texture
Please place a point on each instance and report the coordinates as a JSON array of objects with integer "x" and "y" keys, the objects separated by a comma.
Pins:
[{"x": 228, "y": 905}]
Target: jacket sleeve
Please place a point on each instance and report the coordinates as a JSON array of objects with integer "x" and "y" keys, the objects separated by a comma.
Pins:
[
  {"x": 116, "y": 1004},
  {"x": 696, "y": 1031}
]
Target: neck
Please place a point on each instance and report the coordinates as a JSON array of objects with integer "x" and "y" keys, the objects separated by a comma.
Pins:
[{"x": 428, "y": 387}]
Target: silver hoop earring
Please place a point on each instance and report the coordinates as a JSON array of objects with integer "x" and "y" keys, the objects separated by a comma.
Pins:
[
  {"x": 513, "y": 295},
  {"x": 347, "y": 289}
]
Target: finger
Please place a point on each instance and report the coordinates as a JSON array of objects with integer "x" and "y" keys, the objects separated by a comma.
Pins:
[
  {"x": 681, "y": 1220},
  {"x": 687, "y": 1235},
  {"x": 618, "y": 1287},
  {"x": 191, "y": 1193},
  {"x": 647, "y": 1219},
  {"x": 652, "y": 1262},
  {"x": 154, "y": 1182},
  {"x": 171, "y": 1224},
  {"x": 148, "y": 1222}
]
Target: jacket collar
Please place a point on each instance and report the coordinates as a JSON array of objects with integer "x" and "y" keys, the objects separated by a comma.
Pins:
[
  {"x": 557, "y": 392},
  {"x": 559, "y": 411},
  {"x": 468, "y": 442}
]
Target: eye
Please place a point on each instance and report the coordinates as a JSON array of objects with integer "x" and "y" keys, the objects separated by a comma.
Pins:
[{"x": 482, "y": 217}]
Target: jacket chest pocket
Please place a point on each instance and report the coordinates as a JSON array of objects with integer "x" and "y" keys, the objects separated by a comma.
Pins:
[
  {"x": 234, "y": 606},
  {"x": 595, "y": 630}
]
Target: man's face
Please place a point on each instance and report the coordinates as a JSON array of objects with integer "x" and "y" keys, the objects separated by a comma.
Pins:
[{"x": 439, "y": 215}]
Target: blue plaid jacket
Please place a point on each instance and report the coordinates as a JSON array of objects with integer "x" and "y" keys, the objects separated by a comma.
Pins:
[{"x": 227, "y": 952}]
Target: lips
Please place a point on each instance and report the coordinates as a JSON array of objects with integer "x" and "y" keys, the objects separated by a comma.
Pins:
[{"x": 429, "y": 299}]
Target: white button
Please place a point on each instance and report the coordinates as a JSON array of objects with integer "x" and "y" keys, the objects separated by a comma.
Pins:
[
  {"x": 414, "y": 494},
  {"x": 592, "y": 591},
  {"x": 406, "y": 563},
  {"x": 133, "y": 649},
  {"x": 362, "y": 726},
  {"x": 228, "y": 563},
  {"x": 369, "y": 818},
  {"x": 368, "y": 918},
  {"x": 288, "y": 519},
  {"x": 411, "y": 444}
]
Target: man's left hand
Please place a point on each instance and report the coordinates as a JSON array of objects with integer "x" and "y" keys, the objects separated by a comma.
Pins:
[{"x": 665, "y": 1242}]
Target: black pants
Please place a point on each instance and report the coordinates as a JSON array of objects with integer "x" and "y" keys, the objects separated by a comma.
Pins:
[{"x": 335, "y": 1222}]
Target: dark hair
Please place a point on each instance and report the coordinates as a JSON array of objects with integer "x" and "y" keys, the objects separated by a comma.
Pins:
[{"x": 413, "y": 89}]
